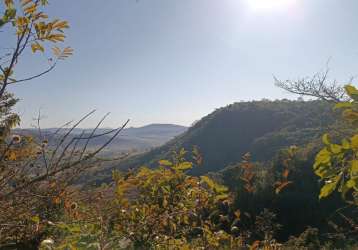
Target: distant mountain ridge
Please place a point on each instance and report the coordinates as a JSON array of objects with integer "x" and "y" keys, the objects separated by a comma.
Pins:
[{"x": 138, "y": 139}]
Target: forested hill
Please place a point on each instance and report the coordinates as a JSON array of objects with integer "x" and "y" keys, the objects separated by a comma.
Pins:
[{"x": 259, "y": 127}]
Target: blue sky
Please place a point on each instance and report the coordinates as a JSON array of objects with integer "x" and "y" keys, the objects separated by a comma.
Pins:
[{"x": 174, "y": 61}]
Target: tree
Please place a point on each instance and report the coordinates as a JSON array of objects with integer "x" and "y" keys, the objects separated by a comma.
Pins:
[
  {"x": 337, "y": 163},
  {"x": 317, "y": 86},
  {"x": 36, "y": 173},
  {"x": 30, "y": 27}
]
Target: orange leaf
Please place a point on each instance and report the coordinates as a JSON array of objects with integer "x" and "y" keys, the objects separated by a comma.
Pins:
[
  {"x": 284, "y": 184},
  {"x": 285, "y": 173},
  {"x": 237, "y": 214},
  {"x": 255, "y": 245}
]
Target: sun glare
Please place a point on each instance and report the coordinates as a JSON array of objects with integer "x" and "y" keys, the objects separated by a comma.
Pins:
[{"x": 270, "y": 5}]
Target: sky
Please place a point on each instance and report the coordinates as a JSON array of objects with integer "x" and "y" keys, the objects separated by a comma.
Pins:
[{"x": 175, "y": 61}]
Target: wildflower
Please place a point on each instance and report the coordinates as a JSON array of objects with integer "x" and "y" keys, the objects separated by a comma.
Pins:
[
  {"x": 74, "y": 206},
  {"x": 44, "y": 143},
  {"x": 47, "y": 242},
  {"x": 50, "y": 223},
  {"x": 16, "y": 139},
  {"x": 235, "y": 229}
]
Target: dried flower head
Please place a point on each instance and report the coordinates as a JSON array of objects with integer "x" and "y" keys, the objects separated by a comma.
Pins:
[
  {"x": 74, "y": 206},
  {"x": 16, "y": 139}
]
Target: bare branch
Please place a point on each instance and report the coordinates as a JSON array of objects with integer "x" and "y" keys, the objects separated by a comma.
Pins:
[
  {"x": 69, "y": 132},
  {"x": 91, "y": 135},
  {"x": 316, "y": 86},
  {"x": 65, "y": 167}
]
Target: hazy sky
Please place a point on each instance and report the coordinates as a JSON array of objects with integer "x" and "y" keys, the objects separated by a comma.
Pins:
[{"x": 174, "y": 61}]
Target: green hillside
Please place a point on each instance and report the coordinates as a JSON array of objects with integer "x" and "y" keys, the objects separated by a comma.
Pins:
[{"x": 259, "y": 127}]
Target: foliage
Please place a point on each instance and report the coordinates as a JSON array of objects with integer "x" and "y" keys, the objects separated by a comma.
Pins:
[
  {"x": 337, "y": 164},
  {"x": 164, "y": 208},
  {"x": 296, "y": 203},
  {"x": 8, "y": 119},
  {"x": 36, "y": 180},
  {"x": 171, "y": 206},
  {"x": 309, "y": 239},
  {"x": 164, "y": 205},
  {"x": 259, "y": 127},
  {"x": 31, "y": 26}
]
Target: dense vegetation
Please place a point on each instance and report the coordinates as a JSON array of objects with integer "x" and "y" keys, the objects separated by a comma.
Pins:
[
  {"x": 281, "y": 196},
  {"x": 259, "y": 127}
]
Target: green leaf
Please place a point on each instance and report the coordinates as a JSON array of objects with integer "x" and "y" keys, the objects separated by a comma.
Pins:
[
  {"x": 35, "y": 219},
  {"x": 326, "y": 172},
  {"x": 354, "y": 142},
  {"x": 208, "y": 181},
  {"x": 352, "y": 183},
  {"x": 352, "y": 92},
  {"x": 345, "y": 144},
  {"x": 9, "y": 14},
  {"x": 323, "y": 157},
  {"x": 184, "y": 166},
  {"x": 354, "y": 168},
  {"x": 335, "y": 149},
  {"x": 329, "y": 187},
  {"x": 165, "y": 163},
  {"x": 325, "y": 139},
  {"x": 343, "y": 105},
  {"x": 221, "y": 197},
  {"x": 220, "y": 188}
]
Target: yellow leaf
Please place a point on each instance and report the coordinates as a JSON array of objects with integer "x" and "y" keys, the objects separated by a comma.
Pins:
[
  {"x": 351, "y": 91},
  {"x": 12, "y": 156},
  {"x": 22, "y": 21},
  {"x": 354, "y": 168},
  {"x": 60, "y": 25},
  {"x": 184, "y": 166},
  {"x": 56, "y": 51},
  {"x": 9, "y": 3},
  {"x": 30, "y": 10},
  {"x": 165, "y": 163},
  {"x": 325, "y": 139},
  {"x": 354, "y": 142},
  {"x": 208, "y": 181},
  {"x": 336, "y": 148},
  {"x": 165, "y": 202},
  {"x": 329, "y": 187},
  {"x": 56, "y": 38},
  {"x": 36, "y": 46},
  {"x": 35, "y": 219},
  {"x": 237, "y": 214},
  {"x": 25, "y": 2}
]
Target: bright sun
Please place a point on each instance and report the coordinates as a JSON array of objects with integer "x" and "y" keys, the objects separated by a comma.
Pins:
[{"x": 269, "y": 5}]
